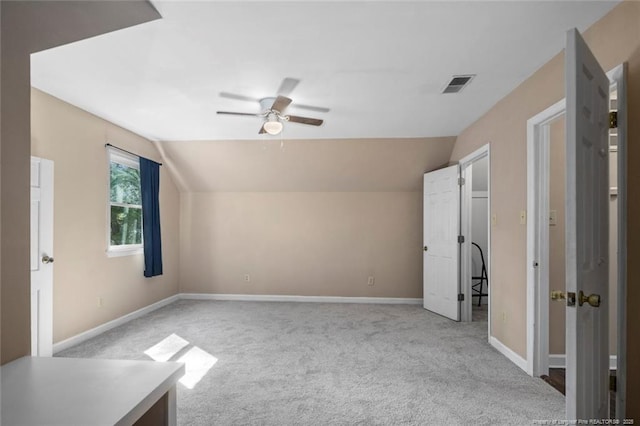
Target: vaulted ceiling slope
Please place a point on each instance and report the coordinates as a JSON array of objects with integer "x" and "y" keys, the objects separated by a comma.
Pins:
[
  {"x": 346, "y": 165},
  {"x": 379, "y": 66}
]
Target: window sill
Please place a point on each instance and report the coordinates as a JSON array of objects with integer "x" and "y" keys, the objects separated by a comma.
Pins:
[{"x": 128, "y": 251}]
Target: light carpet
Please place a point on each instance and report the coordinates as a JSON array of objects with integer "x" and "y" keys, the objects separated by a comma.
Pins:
[{"x": 282, "y": 363}]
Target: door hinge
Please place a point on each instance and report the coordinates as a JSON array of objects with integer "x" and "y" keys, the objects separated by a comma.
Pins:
[
  {"x": 460, "y": 239},
  {"x": 460, "y": 181},
  {"x": 613, "y": 119},
  {"x": 460, "y": 297}
]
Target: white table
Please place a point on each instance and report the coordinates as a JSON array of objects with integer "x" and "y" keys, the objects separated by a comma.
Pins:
[{"x": 72, "y": 391}]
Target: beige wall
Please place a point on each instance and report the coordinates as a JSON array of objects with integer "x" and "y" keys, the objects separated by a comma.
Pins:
[
  {"x": 15, "y": 199},
  {"x": 313, "y": 243},
  {"x": 74, "y": 140},
  {"x": 614, "y": 39},
  {"x": 322, "y": 165},
  {"x": 304, "y": 217}
]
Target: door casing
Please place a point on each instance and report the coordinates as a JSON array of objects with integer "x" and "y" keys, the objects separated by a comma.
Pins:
[{"x": 466, "y": 194}]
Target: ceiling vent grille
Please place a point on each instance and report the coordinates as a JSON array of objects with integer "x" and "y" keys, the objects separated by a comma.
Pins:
[{"x": 457, "y": 83}]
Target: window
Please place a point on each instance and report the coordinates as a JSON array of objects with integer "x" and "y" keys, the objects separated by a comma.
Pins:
[{"x": 125, "y": 205}]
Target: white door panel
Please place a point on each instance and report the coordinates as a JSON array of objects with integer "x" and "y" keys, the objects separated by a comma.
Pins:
[
  {"x": 441, "y": 251},
  {"x": 41, "y": 266},
  {"x": 587, "y": 227},
  {"x": 35, "y": 228}
]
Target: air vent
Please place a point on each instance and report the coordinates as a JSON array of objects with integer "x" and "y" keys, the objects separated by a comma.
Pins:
[{"x": 457, "y": 83}]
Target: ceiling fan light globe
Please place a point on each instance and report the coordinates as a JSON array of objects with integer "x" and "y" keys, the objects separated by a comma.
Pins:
[{"x": 273, "y": 127}]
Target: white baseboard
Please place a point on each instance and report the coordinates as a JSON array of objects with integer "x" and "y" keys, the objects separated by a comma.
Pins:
[
  {"x": 560, "y": 361},
  {"x": 511, "y": 355},
  {"x": 86, "y": 335},
  {"x": 291, "y": 298}
]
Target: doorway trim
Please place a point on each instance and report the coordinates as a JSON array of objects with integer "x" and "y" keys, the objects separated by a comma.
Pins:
[
  {"x": 538, "y": 139},
  {"x": 466, "y": 195},
  {"x": 538, "y": 169},
  {"x": 618, "y": 75}
]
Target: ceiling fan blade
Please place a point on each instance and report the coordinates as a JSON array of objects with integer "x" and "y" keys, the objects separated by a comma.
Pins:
[
  {"x": 281, "y": 103},
  {"x": 304, "y": 120},
  {"x": 287, "y": 86},
  {"x": 238, "y": 97},
  {"x": 238, "y": 113},
  {"x": 311, "y": 108},
  {"x": 262, "y": 130}
]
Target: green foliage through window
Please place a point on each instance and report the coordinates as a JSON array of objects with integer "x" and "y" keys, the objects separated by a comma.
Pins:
[
  {"x": 125, "y": 184},
  {"x": 126, "y": 205}
]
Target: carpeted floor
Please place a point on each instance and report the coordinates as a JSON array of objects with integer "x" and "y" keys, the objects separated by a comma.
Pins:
[
  {"x": 480, "y": 313},
  {"x": 331, "y": 364}
]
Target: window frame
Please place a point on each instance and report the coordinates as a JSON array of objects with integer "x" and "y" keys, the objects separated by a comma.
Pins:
[{"x": 128, "y": 160}]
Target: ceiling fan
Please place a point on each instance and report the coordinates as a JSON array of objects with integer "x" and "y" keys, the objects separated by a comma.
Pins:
[{"x": 273, "y": 108}]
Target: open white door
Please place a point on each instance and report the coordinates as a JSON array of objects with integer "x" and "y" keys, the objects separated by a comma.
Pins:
[
  {"x": 441, "y": 252},
  {"x": 587, "y": 232},
  {"x": 41, "y": 257}
]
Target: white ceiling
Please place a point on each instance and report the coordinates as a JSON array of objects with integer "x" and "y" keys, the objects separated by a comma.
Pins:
[{"x": 379, "y": 66}]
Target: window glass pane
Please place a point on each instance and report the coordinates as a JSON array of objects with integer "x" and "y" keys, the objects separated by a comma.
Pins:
[
  {"x": 125, "y": 184},
  {"x": 126, "y": 225}
]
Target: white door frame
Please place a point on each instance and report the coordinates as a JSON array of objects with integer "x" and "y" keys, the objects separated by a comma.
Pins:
[
  {"x": 538, "y": 139},
  {"x": 619, "y": 75},
  {"x": 538, "y": 169},
  {"x": 466, "y": 195}
]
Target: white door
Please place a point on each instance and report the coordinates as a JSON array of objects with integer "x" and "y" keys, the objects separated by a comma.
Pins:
[
  {"x": 441, "y": 250},
  {"x": 587, "y": 228},
  {"x": 41, "y": 257}
]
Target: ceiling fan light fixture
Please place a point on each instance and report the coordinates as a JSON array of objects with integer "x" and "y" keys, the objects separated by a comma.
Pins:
[{"x": 273, "y": 127}]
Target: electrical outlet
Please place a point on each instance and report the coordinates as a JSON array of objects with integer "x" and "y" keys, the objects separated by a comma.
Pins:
[
  {"x": 247, "y": 278},
  {"x": 371, "y": 281},
  {"x": 100, "y": 302},
  {"x": 523, "y": 217},
  {"x": 504, "y": 317},
  {"x": 494, "y": 219}
]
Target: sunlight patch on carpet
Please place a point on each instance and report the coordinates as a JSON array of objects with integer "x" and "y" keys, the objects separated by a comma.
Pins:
[
  {"x": 197, "y": 363},
  {"x": 167, "y": 348}
]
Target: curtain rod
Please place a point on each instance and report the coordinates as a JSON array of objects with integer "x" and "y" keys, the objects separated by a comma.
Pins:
[{"x": 128, "y": 152}]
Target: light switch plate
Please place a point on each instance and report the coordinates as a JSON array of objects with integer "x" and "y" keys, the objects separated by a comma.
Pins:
[
  {"x": 523, "y": 217},
  {"x": 553, "y": 217}
]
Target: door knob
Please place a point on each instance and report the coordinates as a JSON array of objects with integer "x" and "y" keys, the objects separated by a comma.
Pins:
[
  {"x": 47, "y": 259},
  {"x": 592, "y": 299},
  {"x": 426, "y": 248}
]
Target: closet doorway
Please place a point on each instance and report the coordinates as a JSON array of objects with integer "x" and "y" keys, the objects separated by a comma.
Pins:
[{"x": 475, "y": 207}]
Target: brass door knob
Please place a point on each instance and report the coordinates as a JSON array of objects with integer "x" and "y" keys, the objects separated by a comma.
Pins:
[
  {"x": 47, "y": 259},
  {"x": 425, "y": 248},
  {"x": 592, "y": 299}
]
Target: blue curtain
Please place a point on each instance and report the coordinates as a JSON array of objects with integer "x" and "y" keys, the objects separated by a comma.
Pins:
[{"x": 150, "y": 185}]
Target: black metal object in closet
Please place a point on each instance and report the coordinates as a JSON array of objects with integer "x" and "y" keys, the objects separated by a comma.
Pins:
[{"x": 477, "y": 287}]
